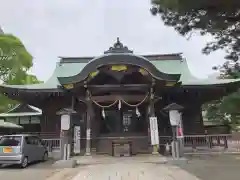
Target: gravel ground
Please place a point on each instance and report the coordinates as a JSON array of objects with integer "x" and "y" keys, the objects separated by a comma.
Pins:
[{"x": 213, "y": 167}]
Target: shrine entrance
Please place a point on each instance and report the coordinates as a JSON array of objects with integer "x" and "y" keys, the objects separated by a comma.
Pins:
[
  {"x": 120, "y": 92},
  {"x": 122, "y": 121},
  {"x": 122, "y": 130},
  {"x": 125, "y": 121}
]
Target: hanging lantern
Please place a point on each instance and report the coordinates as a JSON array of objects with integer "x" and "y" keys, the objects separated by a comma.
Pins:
[
  {"x": 137, "y": 112},
  {"x": 103, "y": 113},
  {"x": 119, "y": 104}
]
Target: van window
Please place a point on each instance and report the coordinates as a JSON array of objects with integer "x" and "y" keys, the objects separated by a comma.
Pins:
[
  {"x": 28, "y": 140},
  {"x": 36, "y": 140},
  {"x": 33, "y": 140},
  {"x": 10, "y": 141}
]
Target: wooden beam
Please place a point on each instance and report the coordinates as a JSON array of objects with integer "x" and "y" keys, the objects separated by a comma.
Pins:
[
  {"x": 127, "y": 98},
  {"x": 118, "y": 87}
]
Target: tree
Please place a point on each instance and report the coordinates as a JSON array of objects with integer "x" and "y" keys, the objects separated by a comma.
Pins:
[
  {"x": 221, "y": 19},
  {"x": 6, "y": 103},
  {"x": 15, "y": 61}
]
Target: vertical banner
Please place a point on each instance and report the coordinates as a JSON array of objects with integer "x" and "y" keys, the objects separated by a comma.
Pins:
[
  {"x": 88, "y": 134},
  {"x": 77, "y": 139},
  {"x": 179, "y": 132},
  {"x": 154, "y": 131},
  {"x": 180, "y": 127}
]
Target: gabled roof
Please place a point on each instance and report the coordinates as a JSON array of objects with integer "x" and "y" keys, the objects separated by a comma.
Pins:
[
  {"x": 4, "y": 124},
  {"x": 168, "y": 67},
  {"x": 66, "y": 69},
  {"x": 154, "y": 57},
  {"x": 22, "y": 110}
]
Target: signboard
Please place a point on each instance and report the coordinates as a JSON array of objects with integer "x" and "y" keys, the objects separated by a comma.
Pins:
[
  {"x": 175, "y": 117},
  {"x": 154, "y": 131},
  {"x": 77, "y": 140},
  {"x": 88, "y": 134},
  {"x": 119, "y": 68},
  {"x": 65, "y": 122}
]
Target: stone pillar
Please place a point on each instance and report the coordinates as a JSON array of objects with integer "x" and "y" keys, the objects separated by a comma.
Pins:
[{"x": 88, "y": 125}]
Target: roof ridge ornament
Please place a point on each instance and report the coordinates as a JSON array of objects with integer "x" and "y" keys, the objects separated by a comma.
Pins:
[{"x": 118, "y": 47}]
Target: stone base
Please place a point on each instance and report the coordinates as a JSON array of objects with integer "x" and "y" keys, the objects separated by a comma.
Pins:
[
  {"x": 71, "y": 163},
  {"x": 181, "y": 160},
  {"x": 87, "y": 154},
  {"x": 155, "y": 153}
]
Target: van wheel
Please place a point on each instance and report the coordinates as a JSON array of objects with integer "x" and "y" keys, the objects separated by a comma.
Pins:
[
  {"x": 24, "y": 162},
  {"x": 45, "y": 157}
]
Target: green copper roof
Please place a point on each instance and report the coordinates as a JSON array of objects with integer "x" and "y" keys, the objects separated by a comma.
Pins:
[
  {"x": 22, "y": 110},
  {"x": 175, "y": 67},
  {"x": 51, "y": 83},
  {"x": 166, "y": 66},
  {"x": 69, "y": 69}
]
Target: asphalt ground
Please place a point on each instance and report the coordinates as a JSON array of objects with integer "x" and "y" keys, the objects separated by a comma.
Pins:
[
  {"x": 213, "y": 167},
  {"x": 36, "y": 171}
]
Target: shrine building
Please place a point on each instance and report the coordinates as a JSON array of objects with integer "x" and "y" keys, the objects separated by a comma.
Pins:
[{"x": 114, "y": 95}]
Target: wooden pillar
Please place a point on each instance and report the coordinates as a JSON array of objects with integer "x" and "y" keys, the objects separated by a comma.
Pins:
[
  {"x": 43, "y": 122},
  {"x": 154, "y": 148},
  {"x": 71, "y": 130},
  {"x": 88, "y": 125}
]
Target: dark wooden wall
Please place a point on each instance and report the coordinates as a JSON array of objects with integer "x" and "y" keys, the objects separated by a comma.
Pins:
[
  {"x": 50, "y": 122},
  {"x": 192, "y": 119}
]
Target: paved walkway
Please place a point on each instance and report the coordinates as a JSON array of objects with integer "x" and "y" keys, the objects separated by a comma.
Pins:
[{"x": 133, "y": 168}]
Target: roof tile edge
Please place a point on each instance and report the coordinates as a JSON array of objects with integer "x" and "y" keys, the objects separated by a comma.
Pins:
[{"x": 155, "y": 57}]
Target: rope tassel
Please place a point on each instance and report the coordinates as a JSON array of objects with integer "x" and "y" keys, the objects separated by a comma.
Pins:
[
  {"x": 103, "y": 113},
  {"x": 137, "y": 112},
  {"x": 119, "y": 104}
]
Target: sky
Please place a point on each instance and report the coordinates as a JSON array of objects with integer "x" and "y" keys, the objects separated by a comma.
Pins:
[{"x": 53, "y": 28}]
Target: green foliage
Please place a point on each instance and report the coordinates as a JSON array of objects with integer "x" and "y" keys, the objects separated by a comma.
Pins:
[
  {"x": 226, "y": 109},
  {"x": 220, "y": 18},
  {"x": 15, "y": 61}
]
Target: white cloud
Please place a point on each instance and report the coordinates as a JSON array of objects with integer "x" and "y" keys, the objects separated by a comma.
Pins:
[{"x": 79, "y": 28}]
